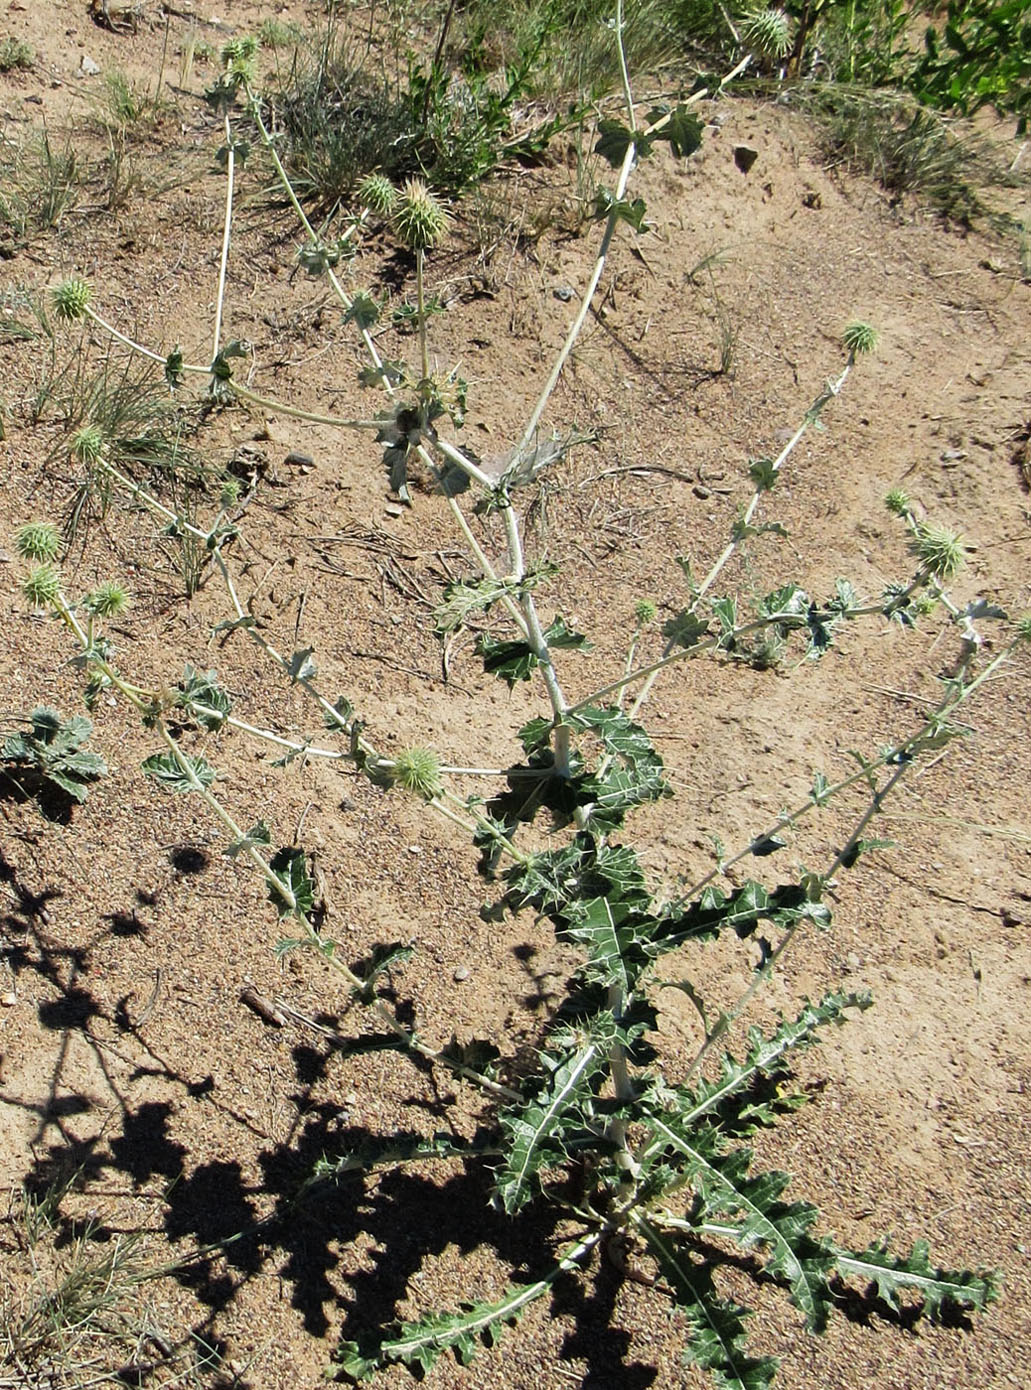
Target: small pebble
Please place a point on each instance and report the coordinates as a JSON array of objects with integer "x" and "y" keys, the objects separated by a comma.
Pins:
[
  {"x": 9, "y": 999},
  {"x": 462, "y": 973},
  {"x": 564, "y": 292}
]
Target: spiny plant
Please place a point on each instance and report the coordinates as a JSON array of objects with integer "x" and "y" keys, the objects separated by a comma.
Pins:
[
  {"x": 609, "y": 1140},
  {"x": 49, "y": 753}
]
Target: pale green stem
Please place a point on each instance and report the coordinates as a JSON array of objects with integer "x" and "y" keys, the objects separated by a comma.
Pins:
[
  {"x": 626, "y": 170},
  {"x": 226, "y": 233},
  {"x": 420, "y": 296},
  {"x": 624, "y": 74},
  {"x": 830, "y": 391},
  {"x": 949, "y": 703}
]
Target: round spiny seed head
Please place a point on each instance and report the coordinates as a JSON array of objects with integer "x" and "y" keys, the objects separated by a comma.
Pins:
[
  {"x": 939, "y": 550},
  {"x": 71, "y": 299},
  {"x": 925, "y": 604},
  {"x": 897, "y": 501},
  {"x": 769, "y": 32},
  {"x": 87, "y": 444},
  {"x": 230, "y": 493},
  {"x": 42, "y": 585},
  {"x": 38, "y": 541},
  {"x": 645, "y": 610},
  {"x": 418, "y": 770},
  {"x": 419, "y": 219},
  {"x": 107, "y": 600},
  {"x": 859, "y": 338},
  {"x": 377, "y": 193}
]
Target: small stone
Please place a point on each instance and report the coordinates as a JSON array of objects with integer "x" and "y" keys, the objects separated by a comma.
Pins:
[
  {"x": 462, "y": 973},
  {"x": 564, "y": 292},
  {"x": 87, "y": 67},
  {"x": 296, "y": 460},
  {"x": 415, "y": 849},
  {"x": 9, "y": 999},
  {"x": 392, "y": 509},
  {"x": 700, "y": 491}
]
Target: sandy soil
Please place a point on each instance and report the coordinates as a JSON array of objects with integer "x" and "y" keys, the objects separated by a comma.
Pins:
[{"x": 130, "y": 1070}]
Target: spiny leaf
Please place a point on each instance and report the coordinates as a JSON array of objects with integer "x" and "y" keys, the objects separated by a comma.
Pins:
[
  {"x": 606, "y": 204},
  {"x": 614, "y": 139},
  {"x": 525, "y": 463},
  {"x": 516, "y": 660},
  {"x": 259, "y": 835},
  {"x": 534, "y": 1131},
  {"x": 685, "y": 630},
  {"x": 301, "y": 666},
  {"x": 375, "y": 1152},
  {"x": 682, "y": 130},
  {"x": 293, "y": 893},
  {"x": 781, "y": 1229},
  {"x": 167, "y": 771},
  {"x": 717, "y": 1325},
  {"x": 51, "y": 751},
  {"x": 379, "y": 960},
  {"x": 763, "y": 474},
  {"x": 463, "y": 598},
  {"x": 364, "y": 310},
  {"x": 421, "y": 1344},
  {"x": 730, "y": 1097},
  {"x": 201, "y": 694},
  {"x": 939, "y": 1289}
]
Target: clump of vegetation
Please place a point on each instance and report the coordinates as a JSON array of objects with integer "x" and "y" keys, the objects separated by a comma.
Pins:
[
  {"x": 49, "y": 753},
  {"x": 602, "y": 1136},
  {"x": 16, "y": 54}
]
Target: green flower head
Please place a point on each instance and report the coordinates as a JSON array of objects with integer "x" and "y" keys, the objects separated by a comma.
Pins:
[
  {"x": 107, "y": 600},
  {"x": 71, "y": 299},
  {"x": 38, "y": 541},
  {"x": 87, "y": 444},
  {"x": 42, "y": 585},
  {"x": 418, "y": 771},
  {"x": 859, "y": 338},
  {"x": 377, "y": 193},
  {"x": 419, "y": 219},
  {"x": 939, "y": 550}
]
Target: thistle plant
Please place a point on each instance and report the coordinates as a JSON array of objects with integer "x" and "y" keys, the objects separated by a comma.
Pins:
[{"x": 611, "y": 1140}]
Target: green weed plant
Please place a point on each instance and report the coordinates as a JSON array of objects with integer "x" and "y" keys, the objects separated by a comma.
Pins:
[{"x": 607, "y": 1142}]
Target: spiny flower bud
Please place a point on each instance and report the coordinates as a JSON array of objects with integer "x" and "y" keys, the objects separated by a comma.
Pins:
[
  {"x": 87, "y": 444},
  {"x": 377, "y": 193},
  {"x": 418, "y": 770},
  {"x": 42, "y": 585},
  {"x": 939, "y": 550},
  {"x": 38, "y": 541},
  {"x": 897, "y": 501},
  {"x": 71, "y": 299},
  {"x": 769, "y": 32},
  {"x": 419, "y": 220},
  {"x": 645, "y": 610},
  {"x": 859, "y": 338},
  {"x": 107, "y": 600}
]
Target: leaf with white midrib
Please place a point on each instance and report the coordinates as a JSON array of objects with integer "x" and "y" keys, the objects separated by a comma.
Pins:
[
  {"x": 718, "y": 1325},
  {"x": 890, "y": 1273},
  {"x": 768, "y": 1051},
  {"x": 722, "y": 1192},
  {"x": 531, "y": 1128},
  {"x": 422, "y": 1343}
]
